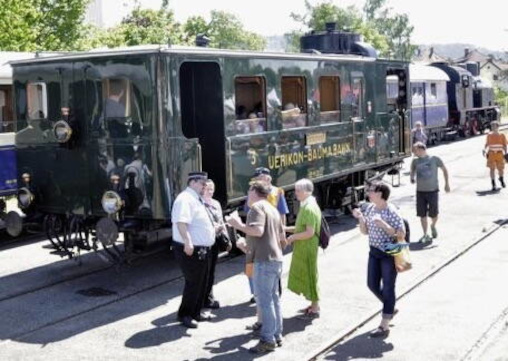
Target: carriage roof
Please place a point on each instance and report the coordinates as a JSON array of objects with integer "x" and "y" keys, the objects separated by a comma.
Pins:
[{"x": 158, "y": 49}]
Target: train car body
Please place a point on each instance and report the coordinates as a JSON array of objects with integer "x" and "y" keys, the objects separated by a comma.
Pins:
[
  {"x": 429, "y": 98},
  {"x": 116, "y": 132},
  {"x": 467, "y": 113}
]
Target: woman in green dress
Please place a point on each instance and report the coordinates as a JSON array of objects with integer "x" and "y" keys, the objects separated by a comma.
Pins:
[{"x": 303, "y": 273}]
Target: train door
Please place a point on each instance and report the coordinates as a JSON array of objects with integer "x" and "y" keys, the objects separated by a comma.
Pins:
[
  {"x": 202, "y": 114},
  {"x": 402, "y": 110},
  {"x": 353, "y": 106}
]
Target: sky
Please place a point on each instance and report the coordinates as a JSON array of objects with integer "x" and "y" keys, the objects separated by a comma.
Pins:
[{"x": 435, "y": 21}]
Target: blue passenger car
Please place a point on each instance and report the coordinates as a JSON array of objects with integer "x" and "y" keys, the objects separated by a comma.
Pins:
[
  {"x": 429, "y": 99},
  {"x": 8, "y": 184}
]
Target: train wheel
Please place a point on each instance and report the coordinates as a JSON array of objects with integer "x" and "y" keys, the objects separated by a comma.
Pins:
[{"x": 465, "y": 130}]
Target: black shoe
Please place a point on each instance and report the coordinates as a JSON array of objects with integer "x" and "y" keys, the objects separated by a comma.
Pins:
[
  {"x": 279, "y": 342},
  {"x": 252, "y": 300},
  {"x": 379, "y": 332},
  {"x": 501, "y": 180},
  {"x": 212, "y": 304},
  {"x": 188, "y": 322},
  {"x": 203, "y": 318}
]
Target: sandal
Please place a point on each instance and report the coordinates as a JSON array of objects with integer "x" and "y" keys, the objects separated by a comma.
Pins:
[
  {"x": 305, "y": 310},
  {"x": 309, "y": 315},
  {"x": 379, "y": 332}
]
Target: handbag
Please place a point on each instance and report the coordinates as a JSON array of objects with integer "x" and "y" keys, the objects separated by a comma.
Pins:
[
  {"x": 403, "y": 260},
  {"x": 223, "y": 242}
]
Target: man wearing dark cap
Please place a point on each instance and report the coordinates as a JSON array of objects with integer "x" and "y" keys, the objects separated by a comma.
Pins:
[
  {"x": 193, "y": 237},
  {"x": 276, "y": 197}
]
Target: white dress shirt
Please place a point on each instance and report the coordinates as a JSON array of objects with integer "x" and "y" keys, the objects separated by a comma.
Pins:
[{"x": 189, "y": 209}]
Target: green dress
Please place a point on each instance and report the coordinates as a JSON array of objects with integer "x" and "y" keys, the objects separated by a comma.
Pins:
[{"x": 303, "y": 273}]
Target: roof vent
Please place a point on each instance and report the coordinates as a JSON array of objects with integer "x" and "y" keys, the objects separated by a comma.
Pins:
[{"x": 202, "y": 41}]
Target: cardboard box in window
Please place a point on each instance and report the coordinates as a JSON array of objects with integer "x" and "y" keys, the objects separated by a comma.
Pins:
[
  {"x": 293, "y": 118},
  {"x": 251, "y": 125}
]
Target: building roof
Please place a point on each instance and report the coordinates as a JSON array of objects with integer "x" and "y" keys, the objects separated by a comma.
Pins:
[{"x": 428, "y": 55}]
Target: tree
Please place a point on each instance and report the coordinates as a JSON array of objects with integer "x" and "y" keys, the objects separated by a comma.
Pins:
[
  {"x": 29, "y": 25},
  {"x": 347, "y": 19},
  {"x": 225, "y": 31},
  {"x": 147, "y": 26},
  {"x": 396, "y": 28}
]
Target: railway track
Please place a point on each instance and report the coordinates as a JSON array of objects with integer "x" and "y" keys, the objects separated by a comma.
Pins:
[
  {"x": 320, "y": 352},
  {"x": 120, "y": 298}
]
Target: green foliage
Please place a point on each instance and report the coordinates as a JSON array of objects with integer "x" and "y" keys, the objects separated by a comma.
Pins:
[
  {"x": 147, "y": 26},
  {"x": 225, "y": 31},
  {"x": 395, "y": 28},
  {"x": 390, "y": 35},
  {"x": 29, "y": 25}
]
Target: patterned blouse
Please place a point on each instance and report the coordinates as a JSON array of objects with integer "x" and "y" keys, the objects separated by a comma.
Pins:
[{"x": 378, "y": 236}]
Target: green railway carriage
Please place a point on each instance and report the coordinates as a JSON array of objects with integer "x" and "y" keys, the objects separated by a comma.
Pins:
[{"x": 107, "y": 137}]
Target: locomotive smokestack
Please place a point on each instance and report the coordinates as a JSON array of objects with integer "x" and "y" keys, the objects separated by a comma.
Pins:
[{"x": 466, "y": 52}]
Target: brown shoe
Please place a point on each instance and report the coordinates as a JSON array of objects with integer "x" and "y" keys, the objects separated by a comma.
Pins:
[{"x": 263, "y": 347}]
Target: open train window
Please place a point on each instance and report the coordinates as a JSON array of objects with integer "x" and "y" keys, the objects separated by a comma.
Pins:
[
  {"x": 6, "y": 121},
  {"x": 294, "y": 100},
  {"x": 37, "y": 100},
  {"x": 357, "y": 100},
  {"x": 392, "y": 92},
  {"x": 329, "y": 93},
  {"x": 250, "y": 97}
]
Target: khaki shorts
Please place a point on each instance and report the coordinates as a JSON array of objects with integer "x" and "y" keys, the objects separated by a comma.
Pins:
[{"x": 495, "y": 160}]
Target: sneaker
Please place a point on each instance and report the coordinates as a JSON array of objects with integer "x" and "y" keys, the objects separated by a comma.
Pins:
[
  {"x": 279, "y": 342},
  {"x": 263, "y": 347},
  {"x": 426, "y": 238},
  {"x": 433, "y": 231},
  {"x": 256, "y": 326}
]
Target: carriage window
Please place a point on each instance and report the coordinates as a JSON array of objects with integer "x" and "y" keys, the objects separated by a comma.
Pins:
[
  {"x": 250, "y": 105},
  {"x": 6, "y": 124},
  {"x": 122, "y": 109},
  {"x": 329, "y": 93},
  {"x": 294, "y": 100},
  {"x": 433, "y": 90},
  {"x": 357, "y": 98},
  {"x": 392, "y": 91},
  {"x": 117, "y": 97},
  {"x": 37, "y": 100}
]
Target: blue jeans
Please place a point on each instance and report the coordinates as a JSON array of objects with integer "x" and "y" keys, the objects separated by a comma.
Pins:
[
  {"x": 381, "y": 277},
  {"x": 266, "y": 289}
]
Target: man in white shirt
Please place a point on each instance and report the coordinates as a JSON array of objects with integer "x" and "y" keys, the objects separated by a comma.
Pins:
[{"x": 193, "y": 237}]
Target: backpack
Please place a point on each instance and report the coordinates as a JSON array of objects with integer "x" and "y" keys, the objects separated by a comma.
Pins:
[{"x": 324, "y": 233}]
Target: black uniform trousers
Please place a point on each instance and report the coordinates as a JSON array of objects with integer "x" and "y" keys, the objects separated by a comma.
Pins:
[
  {"x": 195, "y": 269},
  {"x": 214, "y": 256}
]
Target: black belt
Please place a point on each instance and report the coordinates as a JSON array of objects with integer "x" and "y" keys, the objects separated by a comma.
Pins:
[{"x": 181, "y": 245}]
